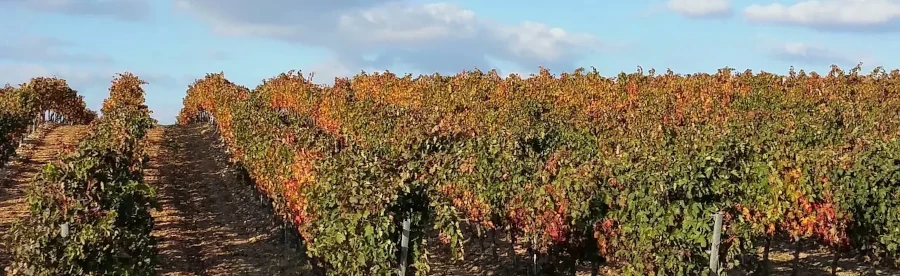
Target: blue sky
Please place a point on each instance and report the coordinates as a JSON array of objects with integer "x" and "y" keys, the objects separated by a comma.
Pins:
[{"x": 170, "y": 43}]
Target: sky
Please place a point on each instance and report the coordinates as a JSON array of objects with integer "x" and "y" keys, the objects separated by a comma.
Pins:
[{"x": 170, "y": 43}]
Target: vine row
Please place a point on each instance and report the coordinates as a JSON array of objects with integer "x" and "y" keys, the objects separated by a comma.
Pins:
[
  {"x": 89, "y": 212},
  {"x": 622, "y": 170},
  {"x": 22, "y": 107}
]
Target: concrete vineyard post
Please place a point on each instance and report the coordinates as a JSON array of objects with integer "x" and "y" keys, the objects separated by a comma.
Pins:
[
  {"x": 64, "y": 230},
  {"x": 404, "y": 246},
  {"x": 714, "y": 245}
]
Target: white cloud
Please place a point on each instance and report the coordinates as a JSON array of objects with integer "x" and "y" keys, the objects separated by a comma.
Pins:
[
  {"x": 119, "y": 9},
  {"x": 859, "y": 15},
  {"x": 429, "y": 37},
  {"x": 813, "y": 54},
  {"x": 701, "y": 8},
  {"x": 325, "y": 72}
]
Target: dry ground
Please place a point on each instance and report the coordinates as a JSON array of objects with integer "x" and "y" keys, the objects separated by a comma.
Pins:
[{"x": 210, "y": 222}]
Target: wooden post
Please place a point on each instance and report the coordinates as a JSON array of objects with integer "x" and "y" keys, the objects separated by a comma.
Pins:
[
  {"x": 494, "y": 243},
  {"x": 834, "y": 261}
]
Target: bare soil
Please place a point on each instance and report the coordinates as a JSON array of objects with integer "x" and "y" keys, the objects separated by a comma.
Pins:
[
  {"x": 210, "y": 222},
  {"x": 480, "y": 259},
  {"x": 817, "y": 260}
]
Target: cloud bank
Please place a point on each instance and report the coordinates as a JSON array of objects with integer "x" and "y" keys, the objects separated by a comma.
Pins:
[
  {"x": 701, "y": 8},
  {"x": 428, "y": 37},
  {"x": 833, "y": 15}
]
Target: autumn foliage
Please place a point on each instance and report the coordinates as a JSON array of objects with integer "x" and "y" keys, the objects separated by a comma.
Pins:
[
  {"x": 98, "y": 195},
  {"x": 626, "y": 169},
  {"x": 22, "y": 106}
]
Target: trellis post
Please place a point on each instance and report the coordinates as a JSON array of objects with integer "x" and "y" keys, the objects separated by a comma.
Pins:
[
  {"x": 714, "y": 245},
  {"x": 404, "y": 246}
]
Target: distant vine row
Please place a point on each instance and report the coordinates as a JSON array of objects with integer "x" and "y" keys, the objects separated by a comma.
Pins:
[
  {"x": 20, "y": 108},
  {"x": 89, "y": 212}
]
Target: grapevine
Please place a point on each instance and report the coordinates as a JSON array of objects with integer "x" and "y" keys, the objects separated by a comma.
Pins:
[{"x": 624, "y": 169}]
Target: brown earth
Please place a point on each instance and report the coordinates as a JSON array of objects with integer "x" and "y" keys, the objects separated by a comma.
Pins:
[
  {"x": 817, "y": 260},
  {"x": 480, "y": 259},
  {"x": 210, "y": 222},
  {"x": 43, "y": 146}
]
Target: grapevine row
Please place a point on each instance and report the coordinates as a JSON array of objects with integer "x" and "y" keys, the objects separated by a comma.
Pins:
[
  {"x": 21, "y": 106},
  {"x": 624, "y": 170},
  {"x": 89, "y": 212}
]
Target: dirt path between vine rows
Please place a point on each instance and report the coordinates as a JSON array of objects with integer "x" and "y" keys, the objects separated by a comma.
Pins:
[
  {"x": 43, "y": 146},
  {"x": 209, "y": 223}
]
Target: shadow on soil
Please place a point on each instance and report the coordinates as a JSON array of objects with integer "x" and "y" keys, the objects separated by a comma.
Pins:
[{"x": 210, "y": 222}]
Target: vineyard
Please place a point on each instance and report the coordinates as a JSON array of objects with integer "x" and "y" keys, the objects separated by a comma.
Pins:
[
  {"x": 579, "y": 167},
  {"x": 556, "y": 172},
  {"x": 89, "y": 212},
  {"x": 21, "y": 107}
]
